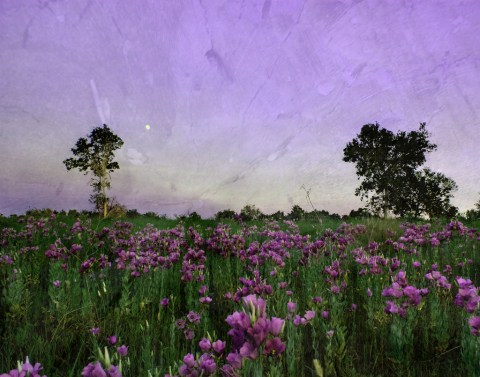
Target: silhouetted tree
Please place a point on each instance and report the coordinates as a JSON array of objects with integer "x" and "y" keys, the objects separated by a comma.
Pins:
[
  {"x": 95, "y": 155},
  {"x": 361, "y": 212},
  {"x": 250, "y": 212},
  {"x": 387, "y": 163},
  {"x": 194, "y": 216},
  {"x": 132, "y": 213},
  {"x": 296, "y": 213},
  {"x": 473, "y": 214},
  {"x": 225, "y": 214},
  {"x": 426, "y": 192},
  {"x": 278, "y": 216},
  {"x": 316, "y": 214}
]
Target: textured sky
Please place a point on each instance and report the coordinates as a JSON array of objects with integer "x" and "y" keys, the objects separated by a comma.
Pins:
[{"x": 246, "y": 100}]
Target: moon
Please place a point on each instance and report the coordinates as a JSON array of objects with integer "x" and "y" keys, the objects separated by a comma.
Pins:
[{"x": 147, "y": 127}]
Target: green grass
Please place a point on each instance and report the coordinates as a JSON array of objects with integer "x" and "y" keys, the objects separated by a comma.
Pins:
[{"x": 51, "y": 325}]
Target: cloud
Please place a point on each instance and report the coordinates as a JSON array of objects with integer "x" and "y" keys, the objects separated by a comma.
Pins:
[{"x": 135, "y": 157}]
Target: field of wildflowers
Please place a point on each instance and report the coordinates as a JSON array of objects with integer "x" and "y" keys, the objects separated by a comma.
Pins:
[{"x": 83, "y": 299}]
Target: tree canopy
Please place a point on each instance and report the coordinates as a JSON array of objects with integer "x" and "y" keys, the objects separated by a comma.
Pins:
[
  {"x": 94, "y": 154},
  {"x": 388, "y": 165}
]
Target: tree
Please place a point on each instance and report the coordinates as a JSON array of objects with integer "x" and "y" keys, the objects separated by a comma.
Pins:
[
  {"x": 388, "y": 165},
  {"x": 427, "y": 193},
  {"x": 296, "y": 213},
  {"x": 250, "y": 212},
  {"x": 473, "y": 214},
  {"x": 359, "y": 213},
  {"x": 95, "y": 155},
  {"x": 225, "y": 214},
  {"x": 277, "y": 216}
]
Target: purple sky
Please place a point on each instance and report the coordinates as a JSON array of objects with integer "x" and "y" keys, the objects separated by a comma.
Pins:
[{"x": 246, "y": 100}]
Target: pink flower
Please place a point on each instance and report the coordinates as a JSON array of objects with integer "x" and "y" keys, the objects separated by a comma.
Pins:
[
  {"x": 205, "y": 300},
  {"x": 258, "y": 304},
  {"x": 276, "y": 325}
]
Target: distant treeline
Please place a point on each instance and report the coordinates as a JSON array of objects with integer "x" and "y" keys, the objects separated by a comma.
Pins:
[{"x": 248, "y": 213}]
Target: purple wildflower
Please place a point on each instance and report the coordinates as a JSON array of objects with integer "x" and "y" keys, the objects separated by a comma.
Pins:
[
  {"x": 391, "y": 307},
  {"x": 207, "y": 365},
  {"x": 274, "y": 347},
  {"x": 235, "y": 360},
  {"x": 474, "y": 323},
  {"x": 205, "y": 344},
  {"x": 189, "y": 360},
  {"x": 164, "y": 302},
  {"x": 94, "y": 370},
  {"x": 193, "y": 317},
  {"x": 122, "y": 350},
  {"x": 249, "y": 351},
  {"x": 276, "y": 325},
  {"x": 205, "y": 300},
  {"x": 218, "y": 346}
]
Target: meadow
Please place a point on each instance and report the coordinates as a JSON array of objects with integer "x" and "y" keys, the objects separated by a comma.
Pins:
[{"x": 154, "y": 297}]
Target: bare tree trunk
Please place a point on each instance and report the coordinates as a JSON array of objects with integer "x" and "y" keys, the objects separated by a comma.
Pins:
[
  {"x": 385, "y": 204},
  {"x": 105, "y": 201},
  {"x": 103, "y": 184}
]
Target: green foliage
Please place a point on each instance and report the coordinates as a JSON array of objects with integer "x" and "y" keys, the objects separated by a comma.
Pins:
[
  {"x": 360, "y": 213},
  {"x": 132, "y": 213},
  {"x": 250, "y": 212},
  {"x": 277, "y": 216},
  {"x": 429, "y": 193},
  {"x": 225, "y": 214},
  {"x": 388, "y": 165},
  {"x": 51, "y": 324},
  {"x": 474, "y": 214},
  {"x": 296, "y": 213},
  {"x": 95, "y": 155}
]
